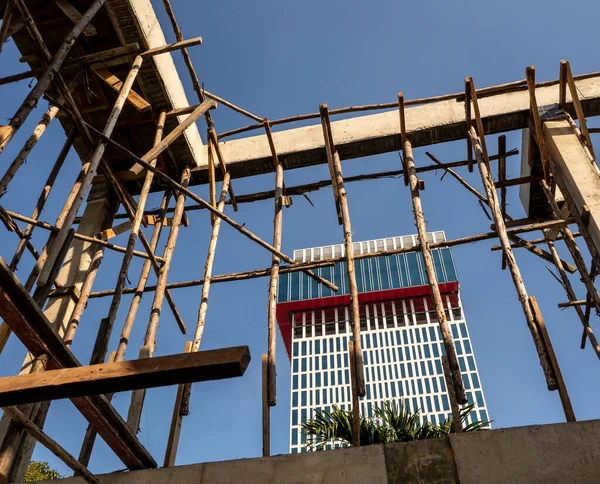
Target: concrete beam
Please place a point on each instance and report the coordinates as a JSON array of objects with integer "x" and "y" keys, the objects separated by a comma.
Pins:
[
  {"x": 577, "y": 173},
  {"x": 379, "y": 133}
]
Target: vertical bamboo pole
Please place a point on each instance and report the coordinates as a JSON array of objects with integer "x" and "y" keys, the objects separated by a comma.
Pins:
[
  {"x": 266, "y": 408},
  {"x": 4, "y": 328},
  {"x": 436, "y": 295},
  {"x": 587, "y": 329},
  {"x": 355, "y": 400},
  {"x": 560, "y": 382},
  {"x": 511, "y": 262},
  {"x": 208, "y": 266},
  {"x": 274, "y": 276},
  {"x": 501, "y": 178},
  {"x": 133, "y": 236},
  {"x": 451, "y": 395},
  {"x": 51, "y": 71},
  {"x": 358, "y": 375},
  {"x": 137, "y": 397},
  {"x": 175, "y": 430},
  {"x": 93, "y": 163},
  {"x": 27, "y": 147},
  {"x": 9, "y": 9}
]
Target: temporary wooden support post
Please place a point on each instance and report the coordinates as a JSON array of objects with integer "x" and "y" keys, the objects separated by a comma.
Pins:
[
  {"x": 27, "y": 147},
  {"x": 133, "y": 236},
  {"x": 6, "y": 21},
  {"x": 452, "y": 396},
  {"x": 570, "y": 81},
  {"x": 245, "y": 275},
  {"x": 212, "y": 134},
  {"x": 266, "y": 408},
  {"x": 274, "y": 276},
  {"x": 560, "y": 383},
  {"x": 468, "y": 123},
  {"x": 51, "y": 71},
  {"x": 98, "y": 379},
  {"x": 459, "y": 389},
  {"x": 517, "y": 241},
  {"x": 534, "y": 112},
  {"x": 481, "y": 156},
  {"x": 59, "y": 451},
  {"x": 566, "y": 283},
  {"x": 501, "y": 179},
  {"x": 240, "y": 228},
  {"x": 212, "y": 182},
  {"x": 94, "y": 162},
  {"x": 208, "y": 267},
  {"x": 137, "y": 397},
  {"x": 357, "y": 371},
  {"x": 355, "y": 400},
  {"x": 573, "y": 248},
  {"x": 176, "y": 420}
]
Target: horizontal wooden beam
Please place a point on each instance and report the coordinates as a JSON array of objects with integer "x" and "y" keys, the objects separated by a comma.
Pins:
[
  {"x": 30, "y": 325},
  {"x": 124, "y": 376}
]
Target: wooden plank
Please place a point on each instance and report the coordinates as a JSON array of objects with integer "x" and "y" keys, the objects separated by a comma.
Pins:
[
  {"x": 75, "y": 16},
  {"x": 184, "y": 44},
  {"x": 266, "y": 408},
  {"x": 114, "y": 231},
  {"x": 579, "y": 109},
  {"x": 124, "y": 376},
  {"x": 30, "y": 325},
  {"x": 535, "y": 114},
  {"x": 133, "y": 97}
]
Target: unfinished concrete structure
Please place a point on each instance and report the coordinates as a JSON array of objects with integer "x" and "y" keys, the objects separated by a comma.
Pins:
[{"x": 116, "y": 49}]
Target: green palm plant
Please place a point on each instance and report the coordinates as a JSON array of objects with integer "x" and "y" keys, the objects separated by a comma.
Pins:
[{"x": 392, "y": 422}]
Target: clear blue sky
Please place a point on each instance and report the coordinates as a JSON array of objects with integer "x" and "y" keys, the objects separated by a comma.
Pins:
[{"x": 283, "y": 58}]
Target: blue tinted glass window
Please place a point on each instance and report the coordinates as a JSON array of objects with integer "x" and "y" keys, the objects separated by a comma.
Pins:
[
  {"x": 436, "y": 402},
  {"x": 295, "y": 437},
  {"x": 479, "y": 397},
  {"x": 383, "y": 271},
  {"x": 475, "y": 380},
  {"x": 295, "y": 417},
  {"x": 445, "y": 402},
  {"x": 394, "y": 271},
  {"x": 459, "y": 350},
  {"x": 327, "y": 273},
  {"x": 466, "y": 382},
  {"x": 461, "y": 362},
  {"x": 403, "y": 270},
  {"x": 304, "y": 281},
  {"x": 360, "y": 271},
  {"x": 471, "y": 363},
  {"x": 467, "y": 346},
  {"x": 414, "y": 270},
  {"x": 463, "y": 330},
  {"x": 295, "y": 366},
  {"x": 455, "y": 331},
  {"x": 294, "y": 286},
  {"x": 448, "y": 264},
  {"x": 282, "y": 290},
  {"x": 437, "y": 264},
  {"x": 295, "y": 386},
  {"x": 427, "y": 351},
  {"x": 483, "y": 416},
  {"x": 294, "y": 399}
]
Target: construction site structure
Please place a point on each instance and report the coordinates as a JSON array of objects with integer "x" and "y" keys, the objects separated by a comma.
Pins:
[{"x": 107, "y": 73}]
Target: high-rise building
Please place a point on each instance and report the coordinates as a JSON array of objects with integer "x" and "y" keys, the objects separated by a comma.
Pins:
[{"x": 400, "y": 336}]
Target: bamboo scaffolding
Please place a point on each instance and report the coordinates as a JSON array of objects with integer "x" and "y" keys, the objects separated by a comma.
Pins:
[
  {"x": 488, "y": 183},
  {"x": 147, "y": 350},
  {"x": 240, "y": 228},
  {"x": 51, "y": 71},
  {"x": 241, "y": 276},
  {"x": 266, "y": 409},
  {"x": 534, "y": 113},
  {"x": 457, "y": 381},
  {"x": 274, "y": 275},
  {"x": 6, "y": 21},
  {"x": 502, "y": 178},
  {"x": 566, "y": 283},
  {"x": 27, "y": 147},
  {"x": 573, "y": 248},
  {"x": 452, "y": 396},
  {"x": 357, "y": 370},
  {"x": 94, "y": 161}
]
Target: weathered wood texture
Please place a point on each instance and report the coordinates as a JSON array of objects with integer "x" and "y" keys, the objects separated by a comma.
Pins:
[{"x": 33, "y": 329}]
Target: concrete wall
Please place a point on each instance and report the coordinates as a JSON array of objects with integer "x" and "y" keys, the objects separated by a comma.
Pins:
[{"x": 560, "y": 453}]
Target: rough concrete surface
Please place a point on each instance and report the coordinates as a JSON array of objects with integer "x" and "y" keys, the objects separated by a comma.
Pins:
[{"x": 540, "y": 454}]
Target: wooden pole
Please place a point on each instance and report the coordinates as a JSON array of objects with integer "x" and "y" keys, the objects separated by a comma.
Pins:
[
  {"x": 176, "y": 420},
  {"x": 137, "y": 397},
  {"x": 501, "y": 179},
  {"x": 274, "y": 276},
  {"x": 6, "y": 20},
  {"x": 94, "y": 162},
  {"x": 434, "y": 288},
  {"x": 562, "y": 388},
  {"x": 578, "y": 108},
  {"x": 572, "y": 297},
  {"x": 573, "y": 248},
  {"x": 27, "y": 147},
  {"x": 240, "y": 228},
  {"x": 51, "y": 71},
  {"x": 356, "y": 357},
  {"x": 39, "y": 435},
  {"x": 539, "y": 132},
  {"x": 452, "y": 396},
  {"x": 266, "y": 408},
  {"x": 510, "y": 258}
]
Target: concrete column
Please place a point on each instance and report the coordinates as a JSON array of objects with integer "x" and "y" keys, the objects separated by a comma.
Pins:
[
  {"x": 97, "y": 216},
  {"x": 577, "y": 176}
]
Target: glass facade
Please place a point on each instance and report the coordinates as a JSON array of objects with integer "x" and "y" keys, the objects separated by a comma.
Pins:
[{"x": 401, "y": 341}]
